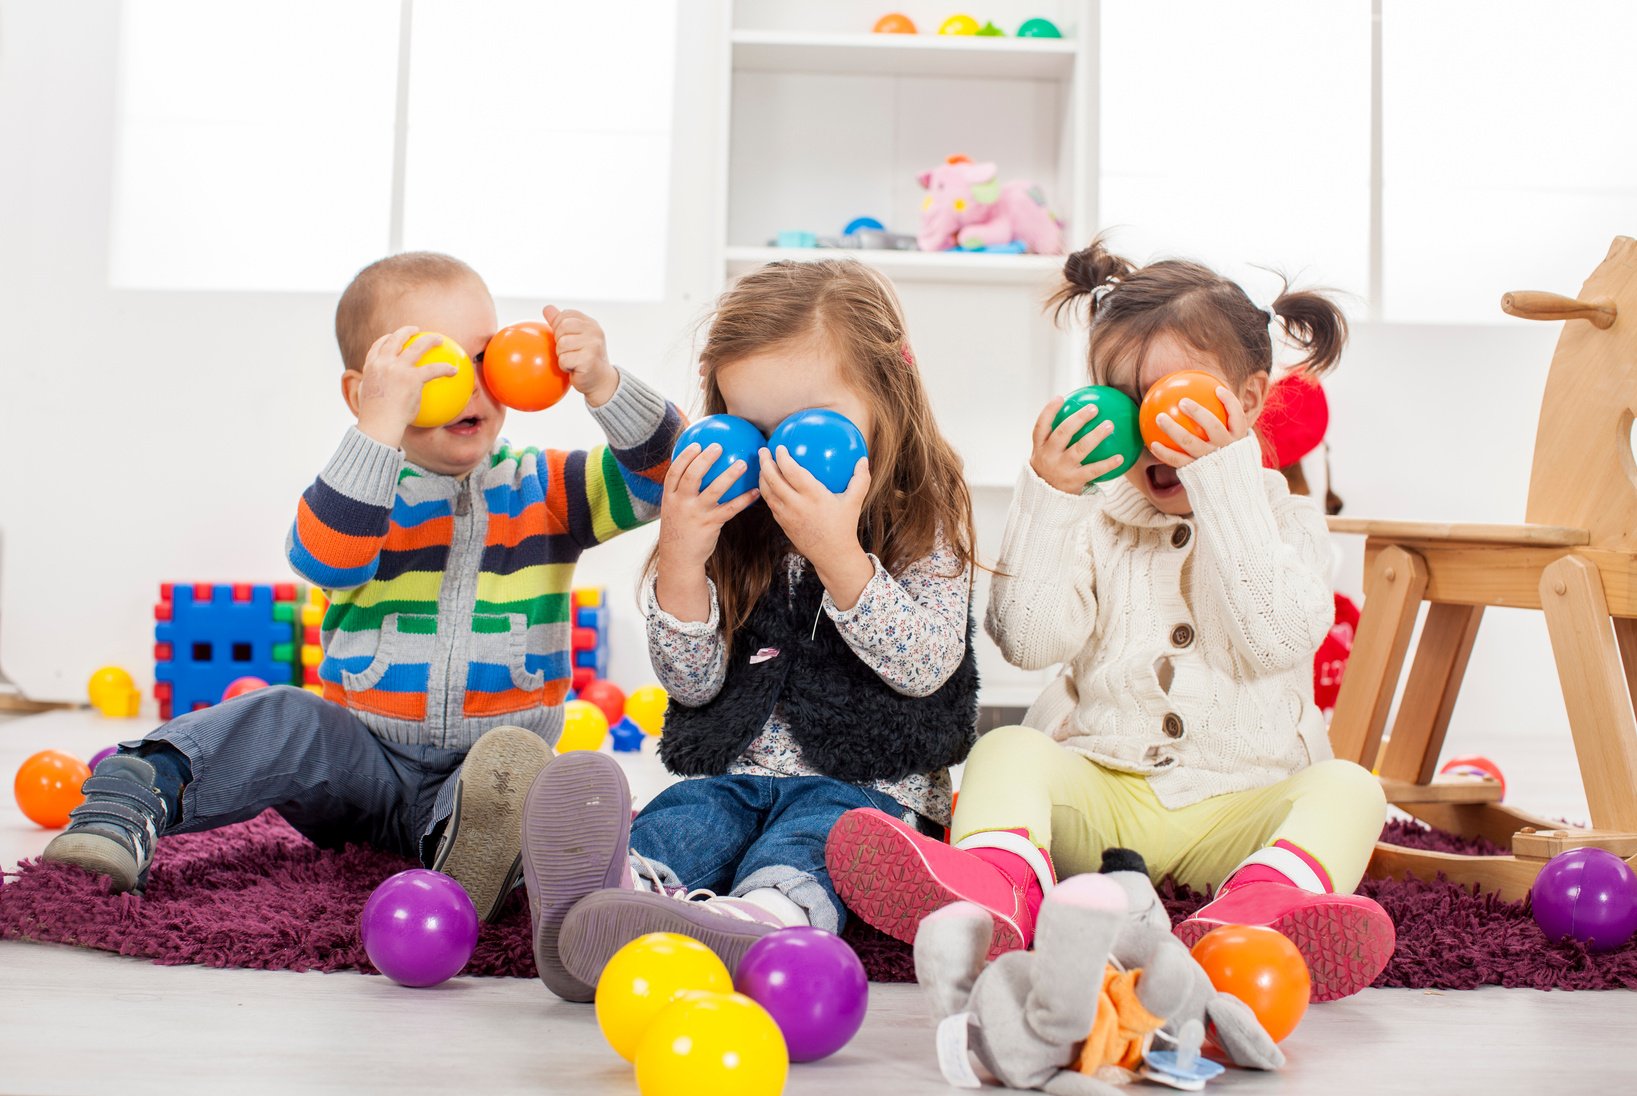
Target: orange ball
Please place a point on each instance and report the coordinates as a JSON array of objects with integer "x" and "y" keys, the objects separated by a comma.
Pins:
[
  {"x": 1262, "y": 968},
  {"x": 48, "y": 787},
  {"x": 895, "y": 23},
  {"x": 520, "y": 367},
  {"x": 1166, "y": 397}
]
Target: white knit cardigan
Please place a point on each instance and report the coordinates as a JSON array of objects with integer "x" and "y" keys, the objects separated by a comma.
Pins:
[{"x": 1187, "y": 643}]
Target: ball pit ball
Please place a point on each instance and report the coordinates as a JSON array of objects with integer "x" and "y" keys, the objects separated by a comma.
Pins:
[
  {"x": 444, "y": 398},
  {"x": 1262, "y": 968},
  {"x": 419, "y": 928},
  {"x": 719, "y": 1043},
  {"x": 607, "y": 697},
  {"x": 959, "y": 24},
  {"x": 895, "y": 23},
  {"x": 1166, "y": 397},
  {"x": 1475, "y": 765},
  {"x": 646, "y": 707},
  {"x": 739, "y": 439},
  {"x": 98, "y": 757},
  {"x": 647, "y": 975},
  {"x": 584, "y": 727},
  {"x": 1039, "y": 28},
  {"x": 824, "y": 442},
  {"x": 1589, "y": 895},
  {"x": 47, "y": 787},
  {"x": 1112, "y": 406},
  {"x": 520, "y": 367},
  {"x": 812, "y": 984},
  {"x": 241, "y": 685}
]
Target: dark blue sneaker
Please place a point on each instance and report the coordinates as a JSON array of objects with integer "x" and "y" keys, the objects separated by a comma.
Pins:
[{"x": 114, "y": 831}]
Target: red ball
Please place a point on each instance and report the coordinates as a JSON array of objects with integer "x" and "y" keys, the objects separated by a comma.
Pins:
[
  {"x": 1262, "y": 968},
  {"x": 1166, "y": 397},
  {"x": 608, "y": 697},
  {"x": 1474, "y": 765},
  {"x": 241, "y": 685},
  {"x": 520, "y": 367},
  {"x": 48, "y": 787}
]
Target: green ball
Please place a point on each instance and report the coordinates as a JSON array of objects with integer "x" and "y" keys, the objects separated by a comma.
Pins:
[
  {"x": 1113, "y": 405},
  {"x": 1039, "y": 28}
]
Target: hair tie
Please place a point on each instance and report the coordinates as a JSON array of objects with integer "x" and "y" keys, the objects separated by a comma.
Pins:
[
  {"x": 1109, "y": 285},
  {"x": 904, "y": 352}
]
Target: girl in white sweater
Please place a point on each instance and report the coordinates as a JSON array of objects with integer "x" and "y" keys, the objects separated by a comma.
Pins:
[{"x": 1185, "y": 601}]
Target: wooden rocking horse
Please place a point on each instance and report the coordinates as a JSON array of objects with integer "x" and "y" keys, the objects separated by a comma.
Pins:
[{"x": 1575, "y": 560}]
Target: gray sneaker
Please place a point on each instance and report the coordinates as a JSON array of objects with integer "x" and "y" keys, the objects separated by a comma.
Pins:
[{"x": 114, "y": 831}]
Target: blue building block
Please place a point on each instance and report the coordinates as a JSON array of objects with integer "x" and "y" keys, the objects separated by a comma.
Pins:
[
  {"x": 206, "y": 636},
  {"x": 596, "y": 618},
  {"x": 595, "y": 659}
]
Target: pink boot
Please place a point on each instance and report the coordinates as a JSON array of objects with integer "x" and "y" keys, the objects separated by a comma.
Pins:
[
  {"x": 893, "y": 876},
  {"x": 1345, "y": 938}
]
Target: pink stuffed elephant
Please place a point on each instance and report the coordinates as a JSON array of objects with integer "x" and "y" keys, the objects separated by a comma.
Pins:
[{"x": 965, "y": 207}]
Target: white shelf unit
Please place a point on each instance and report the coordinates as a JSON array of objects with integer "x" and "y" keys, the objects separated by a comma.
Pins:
[{"x": 827, "y": 122}]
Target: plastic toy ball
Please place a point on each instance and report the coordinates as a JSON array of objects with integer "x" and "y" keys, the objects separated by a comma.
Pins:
[
  {"x": 114, "y": 693},
  {"x": 646, "y": 706},
  {"x": 1589, "y": 894},
  {"x": 812, "y": 984},
  {"x": 959, "y": 24},
  {"x": 895, "y": 23},
  {"x": 1168, "y": 392},
  {"x": 48, "y": 787},
  {"x": 1113, "y": 405},
  {"x": 739, "y": 441},
  {"x": 520, "y": 367},
  {"x": 1039, "y": 28},
  {"x": 825, "y": 443},
  {"x": 1262, "y": 968},
  {"x": 719, "y": 1043},
  {"x": 241, "y": 685},
  {"x": 444, "y": 398},
  {"x": 606, "y": 696},
  {"x": 584, "y": 727},
  {"x": 419, "y": 928},
  {"x": 1474, "y": 765},
  {"x": 644, "y": 977},
  {"x": 98, "y": 757}
]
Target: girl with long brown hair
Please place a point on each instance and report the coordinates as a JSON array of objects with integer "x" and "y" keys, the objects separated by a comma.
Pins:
[
  {"x": 1185, "y": 601},
  {"x": 816, "y": 645}
]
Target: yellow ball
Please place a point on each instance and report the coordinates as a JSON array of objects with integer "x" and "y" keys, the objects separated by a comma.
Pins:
[
  {"x": 114, "y": 693},
  {"x": 646, "y": 707},
  {"x": 959, "y": 24},
  {"x": 721, "y": 1043},
  {"x": 584, "y": 726},
  {"x": 646, "y": 975},
  {"x": 444, "y": 398}
]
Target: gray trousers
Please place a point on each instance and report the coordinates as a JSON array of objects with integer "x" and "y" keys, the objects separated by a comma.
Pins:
[{"x": 314, "y": 763}]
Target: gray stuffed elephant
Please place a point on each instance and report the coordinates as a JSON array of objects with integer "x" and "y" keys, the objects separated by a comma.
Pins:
[{"x": 1029, "y": 1017}]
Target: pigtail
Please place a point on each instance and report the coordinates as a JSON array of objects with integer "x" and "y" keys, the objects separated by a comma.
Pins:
[
  {"x": 1085, "y": 272},
  {"x": 1316, "y": 324}
]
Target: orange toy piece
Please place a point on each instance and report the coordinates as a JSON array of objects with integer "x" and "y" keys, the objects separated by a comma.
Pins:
[
  {"x": 520, "y": 367},
  {"x": 48, "y": 787},
  {"x": 1168, "y": 392},
  {"x": 895, "y": 23},
  {"x": 1262, "y": 968},
  {"x": 1120, "y": 1031}
]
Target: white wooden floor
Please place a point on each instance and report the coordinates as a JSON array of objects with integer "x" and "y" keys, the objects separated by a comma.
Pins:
[{"x": 74, "y": 1021}]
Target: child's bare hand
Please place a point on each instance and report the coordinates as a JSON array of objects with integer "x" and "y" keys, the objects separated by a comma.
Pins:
[
  {"x": 582, "y": 353},
  {"x": 821, "y": 525},
  {"x": 389, "y": 391},
  {"x": 691, "y": 513},
  {"x": 1057, "y": 461},
  {"x": 1217, "y": 433}
]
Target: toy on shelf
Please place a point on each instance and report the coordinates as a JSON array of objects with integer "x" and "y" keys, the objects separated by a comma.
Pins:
[
  {"x": 207, "y": 635},
  {"x": 1039, "y": 28},
  {"x": 1588, "y": 894},
  {"x": 444, "y": 398},
  {"x": 859, "y": 234},
  {"x": 989, "y": 30},
  {"x": 419, "y": 928},
  {"x": 959, "y": 24},
  {"x": 1112, "y": 406},
  {"x": 520, "y": 367},
  {"x": 967, "y": 207},
  {"x": 1474, "y": 765},
  {"x": 47, "y": 787},
  {"x": 114, "y": 693},
  {"x": 894, "y": 23}
]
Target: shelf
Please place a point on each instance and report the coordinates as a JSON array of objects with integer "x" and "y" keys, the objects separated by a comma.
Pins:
[
  {"x": 904, "y": 55},
  {"x": 971, "y": 268}
]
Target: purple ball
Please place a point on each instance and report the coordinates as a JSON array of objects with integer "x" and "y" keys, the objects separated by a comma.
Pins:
[
  {"x": 97, "y": 757},
  {"x": 419, "y": 928},
  {"x": 1589, "y": 894},
  {"x": 812, "y": 984}
]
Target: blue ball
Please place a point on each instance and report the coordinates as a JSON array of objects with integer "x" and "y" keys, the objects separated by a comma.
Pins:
[
  {"x": 825, "y": 443},
  {"x": 739, "y": 441}
]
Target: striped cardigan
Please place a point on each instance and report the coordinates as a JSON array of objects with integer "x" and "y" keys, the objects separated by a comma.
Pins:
[{"x": 449, "y": 598}]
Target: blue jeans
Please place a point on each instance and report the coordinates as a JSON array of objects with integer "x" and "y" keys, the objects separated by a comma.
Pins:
[{"x": 736, "y": 834}]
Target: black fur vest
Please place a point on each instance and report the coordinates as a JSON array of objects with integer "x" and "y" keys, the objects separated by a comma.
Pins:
[{"x": 849, "y": 723}]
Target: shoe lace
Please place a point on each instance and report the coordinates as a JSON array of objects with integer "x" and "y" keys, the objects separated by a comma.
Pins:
[{"x": 681, "y": 894}]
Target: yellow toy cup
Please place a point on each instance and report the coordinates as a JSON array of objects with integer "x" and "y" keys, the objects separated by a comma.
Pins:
[
  {"x": 444, "y": 398},
  {"x": 114, "y": 693}
]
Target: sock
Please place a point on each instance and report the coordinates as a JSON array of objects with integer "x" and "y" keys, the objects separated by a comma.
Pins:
[
  {"x": 779, "y": 904},
  {"x": 171, "y": 773},
  {"x": 1281, "y": 862}
]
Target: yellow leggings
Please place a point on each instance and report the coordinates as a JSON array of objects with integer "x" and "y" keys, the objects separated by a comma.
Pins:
[{"x": 1019, "y": 778}]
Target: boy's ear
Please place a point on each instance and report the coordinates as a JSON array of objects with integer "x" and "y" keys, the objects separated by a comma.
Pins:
[{"x": 350, "y": 379}]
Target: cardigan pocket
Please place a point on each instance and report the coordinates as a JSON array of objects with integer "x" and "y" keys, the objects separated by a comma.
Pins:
[
  {"x": 518, "y": 658},
  {"x": 370, "y": 676}
]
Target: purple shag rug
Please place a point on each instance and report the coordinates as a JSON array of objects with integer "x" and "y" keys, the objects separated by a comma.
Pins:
[{"x": 258, "y": 895}]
